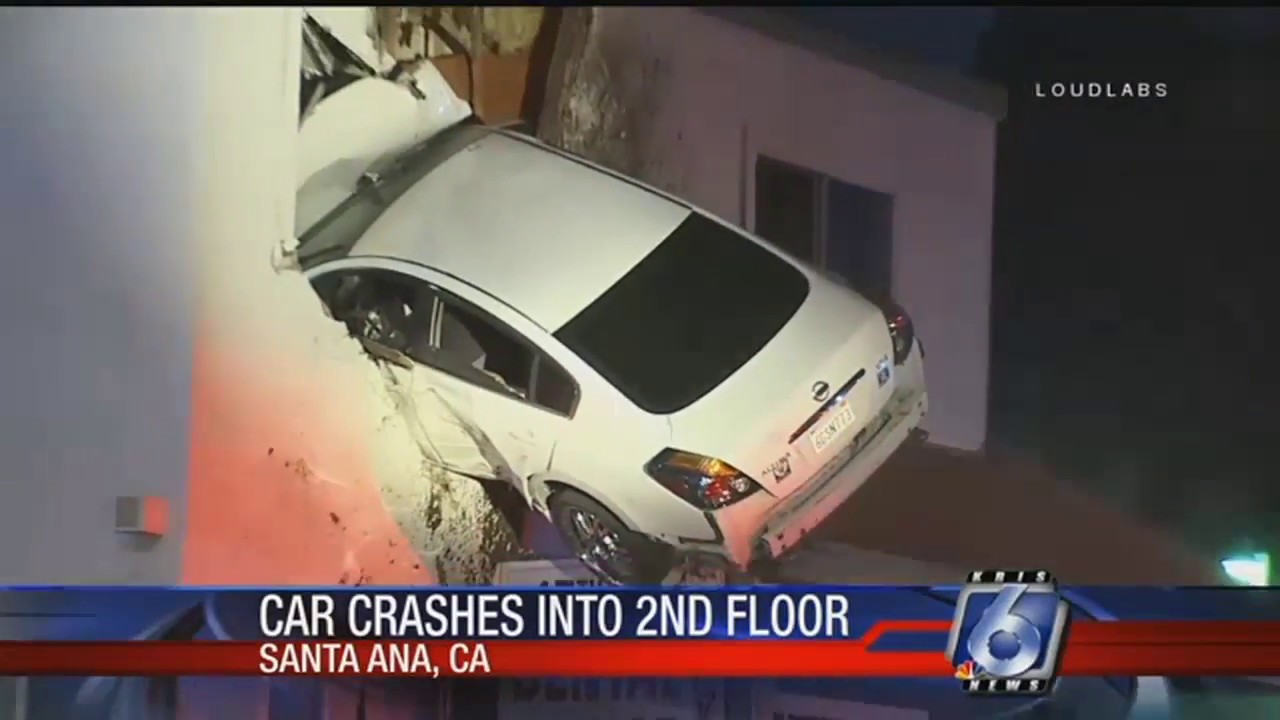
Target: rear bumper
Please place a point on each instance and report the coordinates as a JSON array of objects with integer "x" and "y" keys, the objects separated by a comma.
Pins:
[
  {"x": 752, "y": 537},
  {"x": 793, "y": 521}
]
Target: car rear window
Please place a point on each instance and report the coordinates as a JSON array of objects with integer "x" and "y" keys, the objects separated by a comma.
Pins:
[{"x": 684, "y": 319}]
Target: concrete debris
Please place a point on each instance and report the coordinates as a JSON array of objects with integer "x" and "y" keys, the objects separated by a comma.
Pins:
[
  {"x": 504, "y": 30},
  {"x": 604, "y": 89}
]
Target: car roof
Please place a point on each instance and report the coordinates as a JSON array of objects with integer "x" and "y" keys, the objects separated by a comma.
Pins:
[{"x": 543, "y": 231}]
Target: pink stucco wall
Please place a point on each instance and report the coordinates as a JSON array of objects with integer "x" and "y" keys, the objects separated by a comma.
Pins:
[{"x": 721, "y": 94}]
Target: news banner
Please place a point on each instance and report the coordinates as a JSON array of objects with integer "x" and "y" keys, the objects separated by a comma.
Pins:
[{"x": 1002, "y": 632}]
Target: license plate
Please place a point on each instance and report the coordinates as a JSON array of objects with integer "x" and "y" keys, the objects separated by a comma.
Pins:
[{"x": 840, "y": 420}]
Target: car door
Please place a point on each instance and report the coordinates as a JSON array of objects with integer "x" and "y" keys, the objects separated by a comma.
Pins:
[
  {"x": 466, "y": 387},
  {"x": 517, "y": 401},
  {"x": 441, "y": 419}
]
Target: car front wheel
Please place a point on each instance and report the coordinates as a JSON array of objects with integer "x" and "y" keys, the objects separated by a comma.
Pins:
[{"x": 605, "y": 545}]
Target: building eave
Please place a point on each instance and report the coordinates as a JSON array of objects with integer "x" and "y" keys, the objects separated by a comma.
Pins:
[{"x": 954, "y": 87}]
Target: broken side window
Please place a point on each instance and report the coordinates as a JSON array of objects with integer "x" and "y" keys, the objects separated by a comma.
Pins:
[
  {"x": 418, "y": 321},
  {"x": 515, "y": 361}
]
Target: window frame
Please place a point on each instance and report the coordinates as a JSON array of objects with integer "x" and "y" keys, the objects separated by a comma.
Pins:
[
  {"x": 822, "y": 234},
  {"x": 539, "y": 356},
  {"x": 818, "y": 237}
]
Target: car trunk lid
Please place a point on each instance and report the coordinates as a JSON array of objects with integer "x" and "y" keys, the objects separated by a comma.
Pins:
[{"x": 817, "y": 387}]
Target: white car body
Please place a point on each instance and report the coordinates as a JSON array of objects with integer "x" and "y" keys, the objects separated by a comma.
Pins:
[
  {"x": 348, "y": 109},
  {"x": 529, "y": 238},
  {"x": 532, "y": 241}
]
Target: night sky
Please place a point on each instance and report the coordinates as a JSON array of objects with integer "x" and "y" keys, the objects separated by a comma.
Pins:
[
  {"x": 1135, "y": 251},
  {"x": 949, "y": 36}
]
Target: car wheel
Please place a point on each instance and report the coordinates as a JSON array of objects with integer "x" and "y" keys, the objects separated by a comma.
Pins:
[{"x": 605, "y": 545}]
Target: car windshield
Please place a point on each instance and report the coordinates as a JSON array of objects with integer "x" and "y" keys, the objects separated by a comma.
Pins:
[{"x": 685, "y": 318}]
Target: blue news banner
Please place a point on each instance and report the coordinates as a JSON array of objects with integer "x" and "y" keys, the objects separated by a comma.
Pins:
[{"x": 906, "y": 622}]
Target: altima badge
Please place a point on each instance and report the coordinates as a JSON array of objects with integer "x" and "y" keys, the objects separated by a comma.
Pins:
[
  {"x": 884, "y": 371},
  {"x": 781, "y": 468}
]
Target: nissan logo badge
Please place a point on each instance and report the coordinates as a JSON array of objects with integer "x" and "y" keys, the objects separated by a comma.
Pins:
[{"x": 820, "y": 391}]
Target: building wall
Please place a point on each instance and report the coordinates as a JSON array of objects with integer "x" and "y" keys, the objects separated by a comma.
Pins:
[
  {"x": 96, "y": 373},
  {"x": 296, "y": 450},
  {"x": 156, "y": 350},
  {"x": 715, "y": 95}
]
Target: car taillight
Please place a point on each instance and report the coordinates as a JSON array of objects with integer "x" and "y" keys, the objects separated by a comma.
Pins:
[
  {"x": 705, "y": 483},
  {"x": 900, "y": 329}
]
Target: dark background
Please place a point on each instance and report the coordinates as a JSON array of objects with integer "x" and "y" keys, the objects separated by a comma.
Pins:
[{"x": 1135, "y": 248}]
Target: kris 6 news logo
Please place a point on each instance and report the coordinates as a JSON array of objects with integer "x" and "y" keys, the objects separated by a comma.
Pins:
[{"x": 1007, "y": 634}]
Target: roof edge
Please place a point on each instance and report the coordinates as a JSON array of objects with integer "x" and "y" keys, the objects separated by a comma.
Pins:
[{"x": 952, "y": 86}]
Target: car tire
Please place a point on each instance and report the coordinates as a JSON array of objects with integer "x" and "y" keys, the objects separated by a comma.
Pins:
[{"x": 641, "y": 560}]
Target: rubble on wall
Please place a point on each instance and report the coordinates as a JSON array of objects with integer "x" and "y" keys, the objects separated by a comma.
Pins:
[
  {"x": 449, "y": 521},
  {"x": 492, "y": 72},
  {"x": 604, "y": 89},
  {"x": 504, "y": 30}
]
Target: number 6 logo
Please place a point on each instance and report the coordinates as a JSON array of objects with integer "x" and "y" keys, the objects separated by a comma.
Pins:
[{"x": 1000, "y": 618}]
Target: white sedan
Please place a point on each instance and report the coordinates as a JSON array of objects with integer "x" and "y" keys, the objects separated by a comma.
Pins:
[{"x": 660, "y": 384}]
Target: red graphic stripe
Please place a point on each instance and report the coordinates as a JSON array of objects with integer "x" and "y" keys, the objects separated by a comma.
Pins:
[{"x": 1093, "y": 648}]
